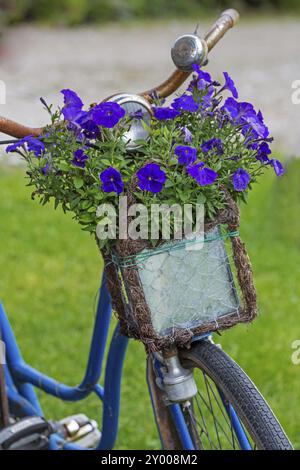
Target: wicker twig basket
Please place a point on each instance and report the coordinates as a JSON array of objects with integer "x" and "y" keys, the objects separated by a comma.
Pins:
[{"x": 164, "y": 296}]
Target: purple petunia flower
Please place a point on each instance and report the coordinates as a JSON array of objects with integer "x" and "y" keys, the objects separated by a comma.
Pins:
[
  {"x": 188, "y": 136},
  {"x": 151, "y": 178},
  {"x": 185, "y": 103},
  {"x": 203, "y": 175},
  {"x": 202, "y": 75},
  {"x": 213, "y": 144},
  {"x": 15, "y": 146},
  {"x": 72, "y": 105},
  {"x": 238, "y": 110},
  {"x": 33, "y": 145},
  {"x": 229, "y": 85},
  {"x": 88, "y": 126},
  {"x": 163, "y": 114},
  {"x": 111, "y": 181},
  {"x": 186, "y": 155},
  {"x": 107, "y": 114},
  {"x": 200, "y": 81},
  {"x": 138, "y": 114},
  {"x": 278, "y": 168},
  {"x": 240, "y": 179},
  {"x": 244, "y": 113},
  {"x": 255, "y": 123},
  {"x": 80, "y": 158},
  {"x": 71, "y": 99}
]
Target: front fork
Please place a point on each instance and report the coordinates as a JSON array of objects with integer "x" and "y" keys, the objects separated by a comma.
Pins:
[
  {"x": 177, "y": 382},
  {"x": 170, "y": 385},
  {"x": 172, "y": 388}
]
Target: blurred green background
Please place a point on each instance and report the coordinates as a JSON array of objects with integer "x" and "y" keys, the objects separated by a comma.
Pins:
[{"x": 75, "y": 12}]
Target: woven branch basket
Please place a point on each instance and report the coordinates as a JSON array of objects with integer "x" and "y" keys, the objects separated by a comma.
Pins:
[{"x": 164, "y": 296}]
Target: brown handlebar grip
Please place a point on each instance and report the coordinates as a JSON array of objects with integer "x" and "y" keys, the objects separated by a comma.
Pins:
[{"x": 226, "y": 21}]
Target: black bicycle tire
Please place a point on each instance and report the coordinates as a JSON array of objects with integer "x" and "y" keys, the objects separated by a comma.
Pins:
[{"x": 251, "y": 407}]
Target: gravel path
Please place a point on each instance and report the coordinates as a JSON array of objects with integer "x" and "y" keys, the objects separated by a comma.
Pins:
[{"x": 262, "y": 58}]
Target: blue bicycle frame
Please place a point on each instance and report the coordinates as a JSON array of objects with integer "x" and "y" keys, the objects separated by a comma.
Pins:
[{"x": 22, "y": 379}]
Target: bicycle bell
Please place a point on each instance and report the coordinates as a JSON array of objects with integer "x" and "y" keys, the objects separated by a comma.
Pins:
[
  {"x": 140, "y": 111},
  {"x": 188, "y": 50}
]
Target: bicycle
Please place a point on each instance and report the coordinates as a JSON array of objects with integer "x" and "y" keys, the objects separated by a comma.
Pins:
[{"x": 200, "y": 397}]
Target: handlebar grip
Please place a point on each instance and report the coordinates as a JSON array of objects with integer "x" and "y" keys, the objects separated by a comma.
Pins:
[{"x": 226, "y": 21}]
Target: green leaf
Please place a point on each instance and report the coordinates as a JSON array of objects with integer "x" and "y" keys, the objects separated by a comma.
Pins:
[
  {"x": 105, "y": 161},
  {"x": 169, "y": 184},
  {"x": 86, "y": 218},
  {"x": 63, "y": 165},
  {"x": 86, "y": 204}
]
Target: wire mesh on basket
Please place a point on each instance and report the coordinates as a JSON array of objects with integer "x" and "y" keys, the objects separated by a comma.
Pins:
[{"x": 187, "y": 283}]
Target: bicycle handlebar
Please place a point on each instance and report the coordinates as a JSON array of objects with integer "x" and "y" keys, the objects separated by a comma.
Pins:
[
  {"x": 9, "y": 127},
  {"x": 226, "y": 21}
]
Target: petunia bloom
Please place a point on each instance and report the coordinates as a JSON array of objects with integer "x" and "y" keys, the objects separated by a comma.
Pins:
[
  {"x": 278, "y": 168},
  {"x": 213, "y": 144},
  {"x": 33, "y": 145},
  {"x": 88, "y": 126},
  {"x": 107, "y": 114},
  {"x": 111, "y": 181},
  {"x": 202, "y": 174},
  {"x": 36, "y": 146},
  {"x": 185, "y": 103},
  {"x": 163, "y": 114},
  {"x": 200, "y": 81},
  {"x": 186, "y": 155},
  {"x": 151, "y": 178},
  {"x": 263, "y": 150},
  {"x": 138, "y": 114},
  {"x": 240, "y": 179},
  {"x": 229, "y": 85},
  {"x": 243, "y": 113},
  {"x": 201, "y": 74},
  {"x": 79, "y": 158}
]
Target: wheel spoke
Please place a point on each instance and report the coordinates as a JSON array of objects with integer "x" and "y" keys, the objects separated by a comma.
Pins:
[
  {"x": 212, "y": 411},
  {"x": 216, "y": 420},
  {"x": 209, "y": 421},
  {"x": 204, "y": 423}
]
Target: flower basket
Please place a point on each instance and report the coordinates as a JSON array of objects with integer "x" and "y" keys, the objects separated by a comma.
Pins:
[{"x": 165, "y": 295}]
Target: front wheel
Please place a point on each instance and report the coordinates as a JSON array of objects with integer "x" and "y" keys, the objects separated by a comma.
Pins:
[{"x": 228, "y": 411}]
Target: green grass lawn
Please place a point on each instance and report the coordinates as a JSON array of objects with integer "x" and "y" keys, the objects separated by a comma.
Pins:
[{"x": 50, "y": 272}]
